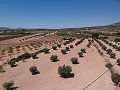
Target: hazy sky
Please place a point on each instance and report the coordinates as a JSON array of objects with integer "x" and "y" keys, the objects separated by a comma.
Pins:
[{"x": 58, "y": 13}]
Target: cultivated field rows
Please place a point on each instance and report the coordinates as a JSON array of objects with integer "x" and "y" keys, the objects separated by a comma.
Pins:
[
  {"x": 90, "y": 67},
  {"x": 113, "y": 61}
]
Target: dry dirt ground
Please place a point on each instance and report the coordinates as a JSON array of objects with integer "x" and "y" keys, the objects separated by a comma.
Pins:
[
  {"x": 113, "y": 61},
  {"x": 90, "y": 67},
  {"x": 23, "y": 48}
]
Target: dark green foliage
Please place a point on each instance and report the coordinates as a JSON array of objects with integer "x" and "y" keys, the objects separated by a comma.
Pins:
[
  {"x": 115, "y": 78},
  {"x": 104, "y": 47},
  {"x": 118, "y": 61},
  {"x": 12, "y": 63},
  {"x": 115, "y": 46},
  {"x": 46, "y": 50},
  {"x": 80, "y": 54},
  {"x": 112, "y": 55},
  {"x": 65, "y": 71},
  {"x": 63, "y": 51},
  {"x": 67, "y": 48},
  {"x": 71, "y": 46},
  {"x": 34, "y": 55},
  {"x": 88, "y": 45},
  {"x": 24, "y": 56},
  {"x": 101, "y": 53},
  {"x": 33, "y": 69},
  {"x": 54, "y": 47},
  {"x": 2, "y": 69},
  {"x": 108, "y": 51},
  {"x": 76, "y": 44},
  {"x": 8, "y": 85},
  {"x": 118, "y": 48},
  {"x": 74, "y": 60},
  {"x": 83, "y": 50},
  {"x": 40, "y": 51},
  {"x": 65, "y": 43},
  {"x": 109, "y": 65},
  {"x": 110, "y": 44},
  {"x": 95, "y": 35},
  {"x": 117, "y": 40},
  {"x": 59, "y": 45},
  {"x": 54, "y": 58}
]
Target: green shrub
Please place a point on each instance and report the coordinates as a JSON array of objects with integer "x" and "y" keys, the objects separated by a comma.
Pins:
[
  {"x": 74, "y": 60},
  {"x": 104, "y": 47},
  {"x": 33, "y": 69},
  {"x": 83, "y": 50},
  {"x": 88, "y": 45},
  {"x": 24, "y": 56},
  {"x": 115, "y": 46},
  {"x": 80, "y": 54},
  {"x": 63, "y": 51},
  {"x": 8, "y": 85},
  {"x": 34, "y": 55},
  {"x": 71, "y": 46},
  {"x": 12, "y": 63},
  {"x": 76, "y": 44},
  {"x": 65, "y": 43},
  {"x": 54, "y": 58},
  {"x": 101, "y": 53},
  {"x": 46, "y": 50},
  {"x": 115, "y": 78},
  {"x": 118, "y": 48},
  {"x": 67, "y": 48},
  {"x": 64, "y": 71},
  {"x": 109, "y": 65},
  {"x": 110, "y": 44},
  {"x": 118, "y": 61},
  {"x": 108, "y": 51},
  {"x": 112, "y": 55},
  {"x": 54, "y": 47},
  {"x": 59, "y": 45},
  {"x": 2, "y": 69}
]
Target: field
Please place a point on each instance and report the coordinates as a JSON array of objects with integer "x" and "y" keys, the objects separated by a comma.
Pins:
[{"x": 89, "y": 73}]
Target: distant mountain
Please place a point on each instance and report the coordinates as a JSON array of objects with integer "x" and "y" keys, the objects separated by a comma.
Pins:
[
  {"x": 115, "y": 24},
  {"x": 5, "y": 28}
]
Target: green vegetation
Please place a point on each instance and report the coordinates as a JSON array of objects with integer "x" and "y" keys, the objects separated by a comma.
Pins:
[
  {"x": 71, "y": 46},
  {"x": 33, "y": 70},
  {"x": 83, "y": 50},
  {"x": 8, "y": 85},
  {"x": 115, "y": 78},
  {"x": 108, "y": 51},
  {"x": 63, "y": 51},
  {"x": 12, "y": 63},
  {"x": 46, "y": 50},
  {"x": 59, "y": 45},
  {"x": 67, "y": 49},
  {"x": 118, "y": 61},
  {"x": 54, "y": 58},
  {"x": 109, "y": 65},
  {"x": 112, "y": 55},
  {"x": 54, "y": 47},
  {"x": 65, "y": 71},
  {"x": 80, "y": 54},
  {"x": 34, "y": 55},
  {"x": 23, "y": 56},
  {"x": 104, "y": 47},
  {"x": 74, "y": 60}
]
